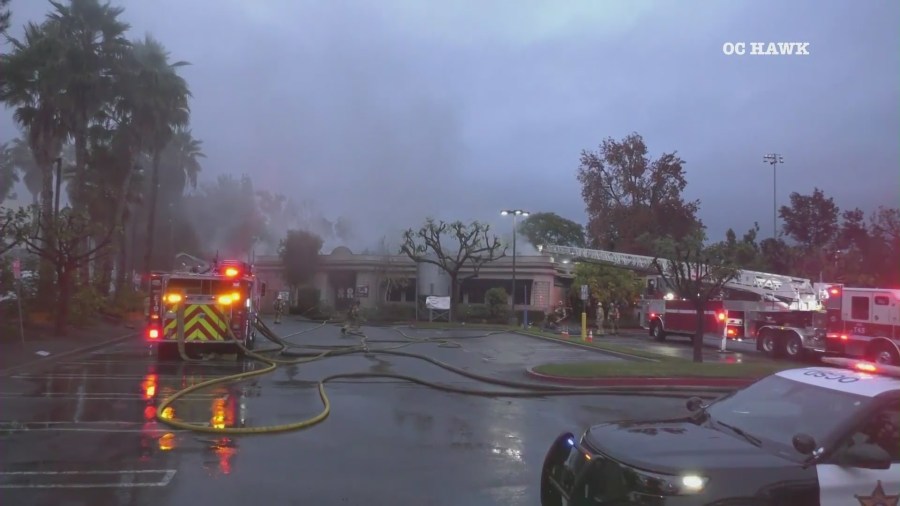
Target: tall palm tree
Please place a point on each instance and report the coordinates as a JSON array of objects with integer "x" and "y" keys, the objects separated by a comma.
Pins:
[
  {"x": 9, "y": 176},
  {"x": 179, "y": 168},
  {"x": 160, "y": 106},
  {"x": 31, "y": 84}
]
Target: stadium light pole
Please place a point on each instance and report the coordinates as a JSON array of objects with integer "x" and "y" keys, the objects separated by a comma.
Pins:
[
  {"x": 515, "y": 213},
  {"x": 774, "y": 159}
]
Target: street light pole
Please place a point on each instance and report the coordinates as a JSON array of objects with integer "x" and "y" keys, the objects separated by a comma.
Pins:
[
  {"x": 515, "y": 214},
  {"x": 774, "y": 159}
]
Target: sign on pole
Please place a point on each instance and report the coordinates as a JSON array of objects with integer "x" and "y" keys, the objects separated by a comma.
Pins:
[
  {"x": 584, "y": 292},
  {"x": 17, "y": 268}
]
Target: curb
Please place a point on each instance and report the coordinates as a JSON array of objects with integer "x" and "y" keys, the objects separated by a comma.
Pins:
[
  {"x": 644, "y": 381},
  {"x": 620, "y": 354},
  {"x": 77, "y": 351}
]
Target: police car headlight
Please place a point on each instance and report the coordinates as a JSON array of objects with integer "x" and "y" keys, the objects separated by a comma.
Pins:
[{"x": 663, "y": 484}]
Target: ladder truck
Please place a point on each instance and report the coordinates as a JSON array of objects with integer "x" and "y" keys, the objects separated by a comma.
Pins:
[
  {"x": 863, "y": 323},
  {"x": 782, "y": 314}
]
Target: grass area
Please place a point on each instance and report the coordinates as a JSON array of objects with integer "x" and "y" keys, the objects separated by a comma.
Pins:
[
  {"x": 463, "y": 326},
  {"x": 669, "y": 368},
  {"x": 599, "y": 344}
]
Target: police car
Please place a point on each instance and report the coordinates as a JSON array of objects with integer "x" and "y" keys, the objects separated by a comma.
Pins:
[{"x": 813, "y": 436}]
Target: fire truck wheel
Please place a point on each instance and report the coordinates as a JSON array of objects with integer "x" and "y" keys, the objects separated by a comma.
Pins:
[
  {"x": 793, "y": 346},
  {"x": 884, "y": 353},
  {"x": 657, "y": 331},
  {"x": 767, "y": 342}
]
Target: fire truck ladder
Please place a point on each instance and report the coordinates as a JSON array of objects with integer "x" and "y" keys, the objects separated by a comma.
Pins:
[
  {"x": 799, "y": 292},
  {"x": 189, "y": 263}
]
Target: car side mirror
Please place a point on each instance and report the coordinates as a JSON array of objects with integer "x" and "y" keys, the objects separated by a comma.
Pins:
[
  {"x": 804, "y": 443},
  {"x": 694, "y": 404},
  {"x": 866, "y": 456}
]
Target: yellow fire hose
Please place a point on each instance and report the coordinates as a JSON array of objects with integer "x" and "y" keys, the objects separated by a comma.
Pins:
[{"x": 525, "y": 389}]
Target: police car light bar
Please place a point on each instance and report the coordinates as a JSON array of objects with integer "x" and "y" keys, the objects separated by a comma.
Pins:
[{"x": 864, "y": 366}]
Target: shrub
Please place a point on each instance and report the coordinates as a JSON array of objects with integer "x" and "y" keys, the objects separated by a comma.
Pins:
[
  {"x": 85, "y": 305},
  {"x": 389, "y": 313}
]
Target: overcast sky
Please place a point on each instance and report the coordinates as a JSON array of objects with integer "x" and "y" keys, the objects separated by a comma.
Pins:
[{"x": 388, "y": 111}]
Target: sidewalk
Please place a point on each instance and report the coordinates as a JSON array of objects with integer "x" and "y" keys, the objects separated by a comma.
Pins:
[{"x": 41, "y": 345}]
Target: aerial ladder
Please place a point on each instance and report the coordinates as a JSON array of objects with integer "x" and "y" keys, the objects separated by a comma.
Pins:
[
  {"x": 784, "y": 292},
  {"x": 784, "y": 319}
]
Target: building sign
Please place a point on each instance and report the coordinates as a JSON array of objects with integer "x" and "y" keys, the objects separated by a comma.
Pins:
[
  {"x": 584, "y": 292},
  {"x": 441, "y": 303},
  {"x": 362, "y": 291}
]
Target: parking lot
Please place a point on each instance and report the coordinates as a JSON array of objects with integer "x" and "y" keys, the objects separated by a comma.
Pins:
[{"x": 83, "y": 431}]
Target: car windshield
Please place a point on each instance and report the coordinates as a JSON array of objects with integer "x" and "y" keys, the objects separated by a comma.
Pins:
[{"x": 775, "y": 409}]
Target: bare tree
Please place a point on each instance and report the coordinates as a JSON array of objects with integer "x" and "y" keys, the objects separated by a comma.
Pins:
[
  {"x": 473, "y": 248},
  {"x": 388, "y": 278},
  {"x": 697, "y": 273},
  {"x": 59, "y": 240}
]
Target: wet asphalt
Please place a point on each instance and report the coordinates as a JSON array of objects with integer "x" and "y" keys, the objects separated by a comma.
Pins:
[{"x": 83, "y": 431}]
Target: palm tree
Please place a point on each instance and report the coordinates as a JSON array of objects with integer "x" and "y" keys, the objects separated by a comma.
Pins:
[
  {"x": 9, "y": 176},
  {"x": 95, "y": 47},
  {"x": 31, "y": 84},
  {"x": 160, "y": 106},
  {"x": 23, "y": 160},
  {"x": 179, "y": 168}
]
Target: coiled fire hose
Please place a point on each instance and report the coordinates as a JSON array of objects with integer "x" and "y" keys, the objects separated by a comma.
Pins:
[{"x": 321, "y": 352}]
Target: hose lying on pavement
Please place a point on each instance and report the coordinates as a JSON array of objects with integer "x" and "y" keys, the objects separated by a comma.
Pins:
[{"x": 284, "y": 348}]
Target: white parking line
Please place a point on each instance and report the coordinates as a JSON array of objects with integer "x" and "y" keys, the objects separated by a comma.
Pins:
[{"x": 57, "y": 476}]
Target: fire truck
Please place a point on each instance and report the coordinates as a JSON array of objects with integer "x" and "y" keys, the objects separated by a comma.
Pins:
[
  {"x": 783, "y": 312},
  {"x": 864, "y": 322},
  {"x": 200, "y": 302}
]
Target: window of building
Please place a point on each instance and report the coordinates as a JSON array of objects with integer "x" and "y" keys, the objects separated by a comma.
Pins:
[{"x": 881, "y": 300}]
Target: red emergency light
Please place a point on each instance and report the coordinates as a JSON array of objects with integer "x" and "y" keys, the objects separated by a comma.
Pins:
[
  {"x": 834, "y": 291},
  {"x": 720, "y": 316},
  {"x": 152, "y": 333},
  {"x": 232, "y": 272}
]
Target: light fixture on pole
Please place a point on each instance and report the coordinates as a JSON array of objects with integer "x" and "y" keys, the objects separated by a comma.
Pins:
[
  {"x": 774, "y": 159},
  {"x": 515, "y": 213}
]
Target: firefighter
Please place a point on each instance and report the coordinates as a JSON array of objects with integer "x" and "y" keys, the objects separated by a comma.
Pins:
[
  {"x": 613, "y": 316},
  {"x": 279, "y": 309},
  {"x": 352, "y": 322}
]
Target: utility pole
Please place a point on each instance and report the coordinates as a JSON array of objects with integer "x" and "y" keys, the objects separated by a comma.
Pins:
[
  {"x": 515, "y": 213},
  {"x": 774, "y": 159}
]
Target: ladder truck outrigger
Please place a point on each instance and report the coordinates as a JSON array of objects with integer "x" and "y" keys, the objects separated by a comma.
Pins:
[
  {"x": 783, "y": 314},
  {"x": 199, "y": 302}
]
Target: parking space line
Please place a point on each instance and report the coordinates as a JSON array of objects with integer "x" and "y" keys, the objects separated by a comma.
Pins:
[{"x": 167, "y": 475}]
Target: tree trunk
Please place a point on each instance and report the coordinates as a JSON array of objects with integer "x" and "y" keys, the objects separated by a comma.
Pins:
[
  {"x": 698, "y": 336},
  {"x": 46, "y": 270},
  {"x": 63, "y": 299},
  {"x": 151, "y": 219},
  {"x": 455, "y": 287},
  {"x": 79, "y": 196},
  {"x": 121, "y": 261}
]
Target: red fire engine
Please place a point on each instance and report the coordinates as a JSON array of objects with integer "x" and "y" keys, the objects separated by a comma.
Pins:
[
  {"x": 200, "y": 304},
  {"x": 778, "y": 309},
  {"x": 864, "y": 322}
]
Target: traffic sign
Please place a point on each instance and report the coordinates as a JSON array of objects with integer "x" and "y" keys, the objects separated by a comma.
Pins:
[
  {"x": 17, "y": 269},
  {"x": 584, "y": 292}
]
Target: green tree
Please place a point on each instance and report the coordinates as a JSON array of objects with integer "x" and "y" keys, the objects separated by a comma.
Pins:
[
  {"x": 9, "y": 237},
  {"x": 696, "y": 273},
  {"x": 23, "y": 161},
  {"x": 299, "y": 253},
  {"x": 453, "y": 247},
  {"x": 31, "y": 85},
  {"x": 628, "y": 195},
  {"x": 162, "y": 106},
  {"x": 497, "y": 301},
  {"x": 5, "y": 15},
  {"x": 885, "y": 234},
  {"x": 9, "y": 176},
  {"x": 550, "y": 228},
  {"x": 811, "y": 221},
  {"x": 607, "y": 283},
  {"x": 745, "y": 253}
]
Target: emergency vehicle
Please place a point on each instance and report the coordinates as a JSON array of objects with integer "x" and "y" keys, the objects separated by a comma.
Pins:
[
  {"x": 864, "y": 322},
  {"x": 201, "y": 303},
  {"x": 826, "y": 436},
  {"x": 779, "y": 309}
]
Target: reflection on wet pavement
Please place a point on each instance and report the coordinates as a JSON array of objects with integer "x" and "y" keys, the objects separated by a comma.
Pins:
[{"x": 396, "y": 442}]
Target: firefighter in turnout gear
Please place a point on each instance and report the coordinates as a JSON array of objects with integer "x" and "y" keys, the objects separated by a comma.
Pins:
[
  {"x": 352, "y": 323},
  {"x": 280, "y": 303}
]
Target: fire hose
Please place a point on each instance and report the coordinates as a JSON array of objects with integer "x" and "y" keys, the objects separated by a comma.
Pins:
[{"x": 284, "y": 349}]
